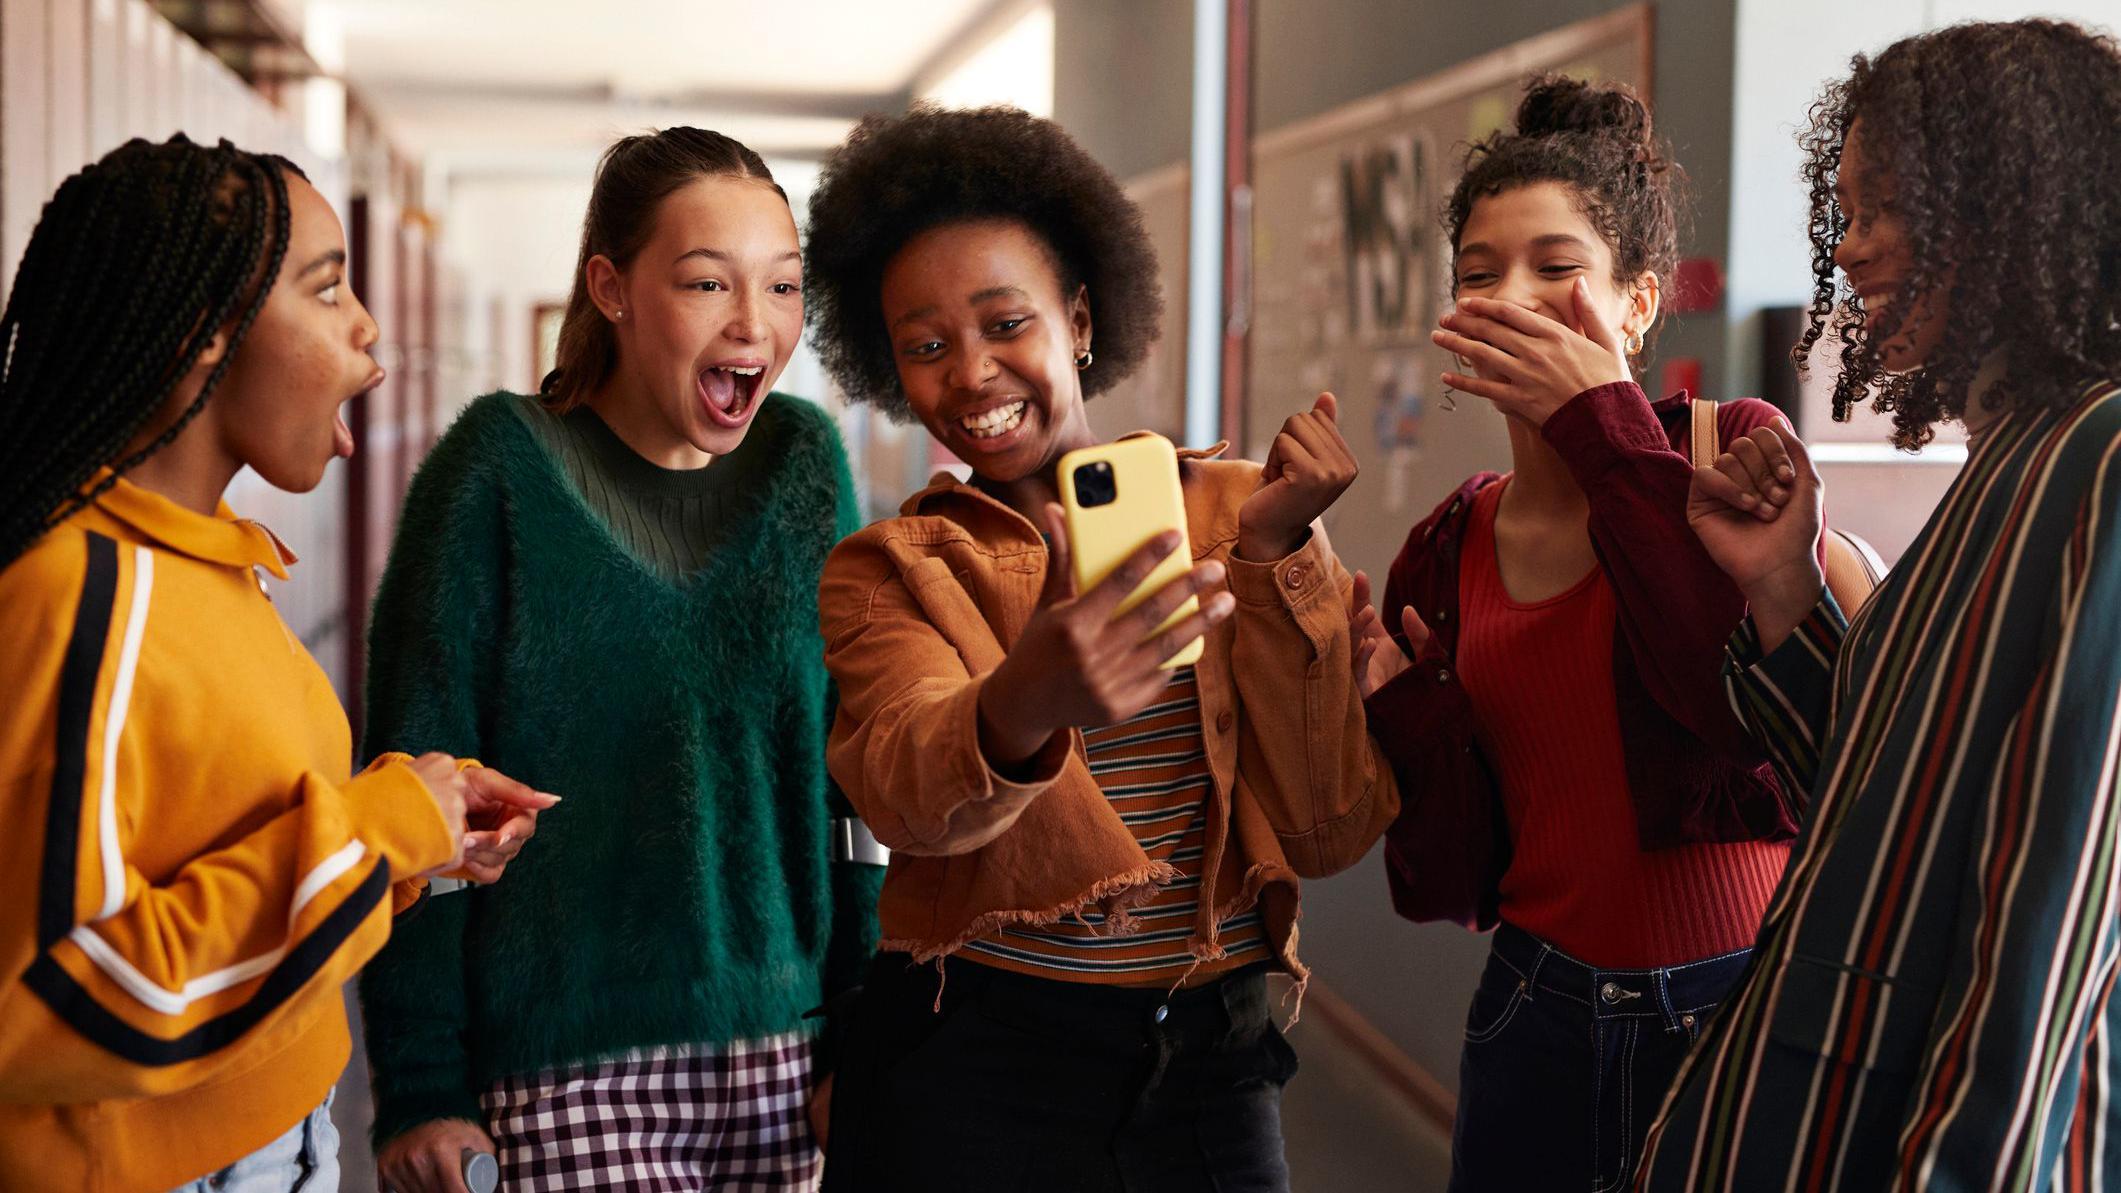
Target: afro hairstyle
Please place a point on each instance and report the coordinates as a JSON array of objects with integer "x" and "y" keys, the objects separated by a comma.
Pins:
[{"x": 897, "y": 177}]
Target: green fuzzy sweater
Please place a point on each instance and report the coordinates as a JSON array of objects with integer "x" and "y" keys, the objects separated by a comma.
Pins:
[{"x": 683, "y": 892}]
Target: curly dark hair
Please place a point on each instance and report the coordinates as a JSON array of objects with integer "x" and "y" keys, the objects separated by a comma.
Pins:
[
  {"x": 1999, "y": 144},
  {"x": 1596, "y": 139},
  {"x": 897, "y": 177},
  {"x": 137, "y": 262}
]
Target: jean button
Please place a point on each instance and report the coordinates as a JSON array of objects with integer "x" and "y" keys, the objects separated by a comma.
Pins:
[{"x": 1610, "y": 992}]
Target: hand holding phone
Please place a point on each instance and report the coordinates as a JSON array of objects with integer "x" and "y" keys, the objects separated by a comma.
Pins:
[
  {"x": 1116, "y": 497},
  {"x": 1081, "y": 662}
]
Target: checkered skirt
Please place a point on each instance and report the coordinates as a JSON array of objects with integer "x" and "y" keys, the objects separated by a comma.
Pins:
[{"x": 723, "y": 1117}]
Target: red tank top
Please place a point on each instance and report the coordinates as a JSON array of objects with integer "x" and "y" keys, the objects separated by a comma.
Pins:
[{"x": 1540, "y": 678}]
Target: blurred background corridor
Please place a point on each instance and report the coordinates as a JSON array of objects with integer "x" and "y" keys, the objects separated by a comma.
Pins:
[{"x": 1290, "y": 157}]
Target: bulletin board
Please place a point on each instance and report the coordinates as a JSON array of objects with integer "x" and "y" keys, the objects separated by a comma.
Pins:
[{"x": 1350, "y": 271}]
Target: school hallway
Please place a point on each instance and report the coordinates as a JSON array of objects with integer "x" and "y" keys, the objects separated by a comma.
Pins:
[{"x": 1287, "y": 158}]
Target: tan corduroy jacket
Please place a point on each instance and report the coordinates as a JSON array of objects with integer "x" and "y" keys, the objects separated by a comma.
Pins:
[{"x": 919, "y": 609}]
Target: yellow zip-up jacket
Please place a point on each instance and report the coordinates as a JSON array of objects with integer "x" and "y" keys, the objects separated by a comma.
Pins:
[{"x": 188, "y": 873}]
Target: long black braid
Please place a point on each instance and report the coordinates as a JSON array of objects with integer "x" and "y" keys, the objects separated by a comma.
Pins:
[{"x": 135, "y": 264}]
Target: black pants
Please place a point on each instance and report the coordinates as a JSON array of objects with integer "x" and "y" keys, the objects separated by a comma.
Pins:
[
  {"x": 1565, "y": 1064},
  {"x": 1021, "y": 1083}
]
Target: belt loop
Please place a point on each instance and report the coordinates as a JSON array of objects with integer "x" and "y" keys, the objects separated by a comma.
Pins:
[
  {"x": 1664, "y": 1000},
  {"x": 1231, "y": 998},
  {"x": 1531, "y": 980}
]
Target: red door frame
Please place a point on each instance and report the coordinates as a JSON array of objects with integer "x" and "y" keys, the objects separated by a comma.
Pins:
[{"x": 1237, "y": 216}]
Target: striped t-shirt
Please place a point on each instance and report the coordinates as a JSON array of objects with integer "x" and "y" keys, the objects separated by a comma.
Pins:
[{"x": 1154, "y": 768}]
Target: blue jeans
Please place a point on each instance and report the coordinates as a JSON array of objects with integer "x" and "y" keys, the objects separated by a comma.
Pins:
[
  {"x": 1565, "y": 1064},
  {"x": 304, "y": 1160}
]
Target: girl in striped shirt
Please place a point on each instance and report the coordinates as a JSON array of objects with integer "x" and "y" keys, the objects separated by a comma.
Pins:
[{"x": 1930, "y": 1003}]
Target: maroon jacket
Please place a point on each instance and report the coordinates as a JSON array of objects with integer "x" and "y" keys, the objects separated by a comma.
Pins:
[{"x": 1693, "y": 774}]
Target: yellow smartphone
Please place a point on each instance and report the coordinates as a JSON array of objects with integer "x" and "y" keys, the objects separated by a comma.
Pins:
[{"x": 1118, "y": 496}]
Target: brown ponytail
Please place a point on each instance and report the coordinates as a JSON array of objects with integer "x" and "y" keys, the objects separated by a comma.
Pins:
[{"x": 633, "y": 178}]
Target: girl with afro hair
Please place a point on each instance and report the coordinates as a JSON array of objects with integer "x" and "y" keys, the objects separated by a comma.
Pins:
[{"x": 1095, "y": 860}]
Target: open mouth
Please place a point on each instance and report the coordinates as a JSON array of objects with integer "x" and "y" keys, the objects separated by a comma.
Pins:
[
  {"x": 995, "y": 422},
  {"x": 1875, "y": 292},
  {"x": 342, "y": 440},
  {"x": 730, "y": 391}
]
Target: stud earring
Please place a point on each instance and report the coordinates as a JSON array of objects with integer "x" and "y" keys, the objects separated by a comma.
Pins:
[
  {"x": 619, "y": 314},
  {"x": 1083, "y": 361}
]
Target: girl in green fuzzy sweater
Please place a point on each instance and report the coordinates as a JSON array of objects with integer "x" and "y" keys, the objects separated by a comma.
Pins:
[{"x": 611, "y": 591}]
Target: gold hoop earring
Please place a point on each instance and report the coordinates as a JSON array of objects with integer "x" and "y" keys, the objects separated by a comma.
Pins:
[
  {"x": 1634, "y": 344},
  {"x": 1083, "y": 361}
]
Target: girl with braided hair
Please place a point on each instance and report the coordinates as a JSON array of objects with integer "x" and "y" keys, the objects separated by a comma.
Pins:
[
  {"x": 189, "y": 873},
  {"x": 1575, "y": 781}
]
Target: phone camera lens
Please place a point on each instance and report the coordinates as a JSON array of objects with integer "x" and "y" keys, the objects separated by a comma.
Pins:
[{"x": 1094, "y": 485}]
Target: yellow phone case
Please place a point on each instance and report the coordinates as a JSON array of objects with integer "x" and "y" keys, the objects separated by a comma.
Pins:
[{"x": 1147, "y": 501}]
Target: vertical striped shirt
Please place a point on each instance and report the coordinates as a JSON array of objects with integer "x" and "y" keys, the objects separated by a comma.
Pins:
[
  {"x": 1929, "y": 1003},
  {"x": 1153, "y": 767}
]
